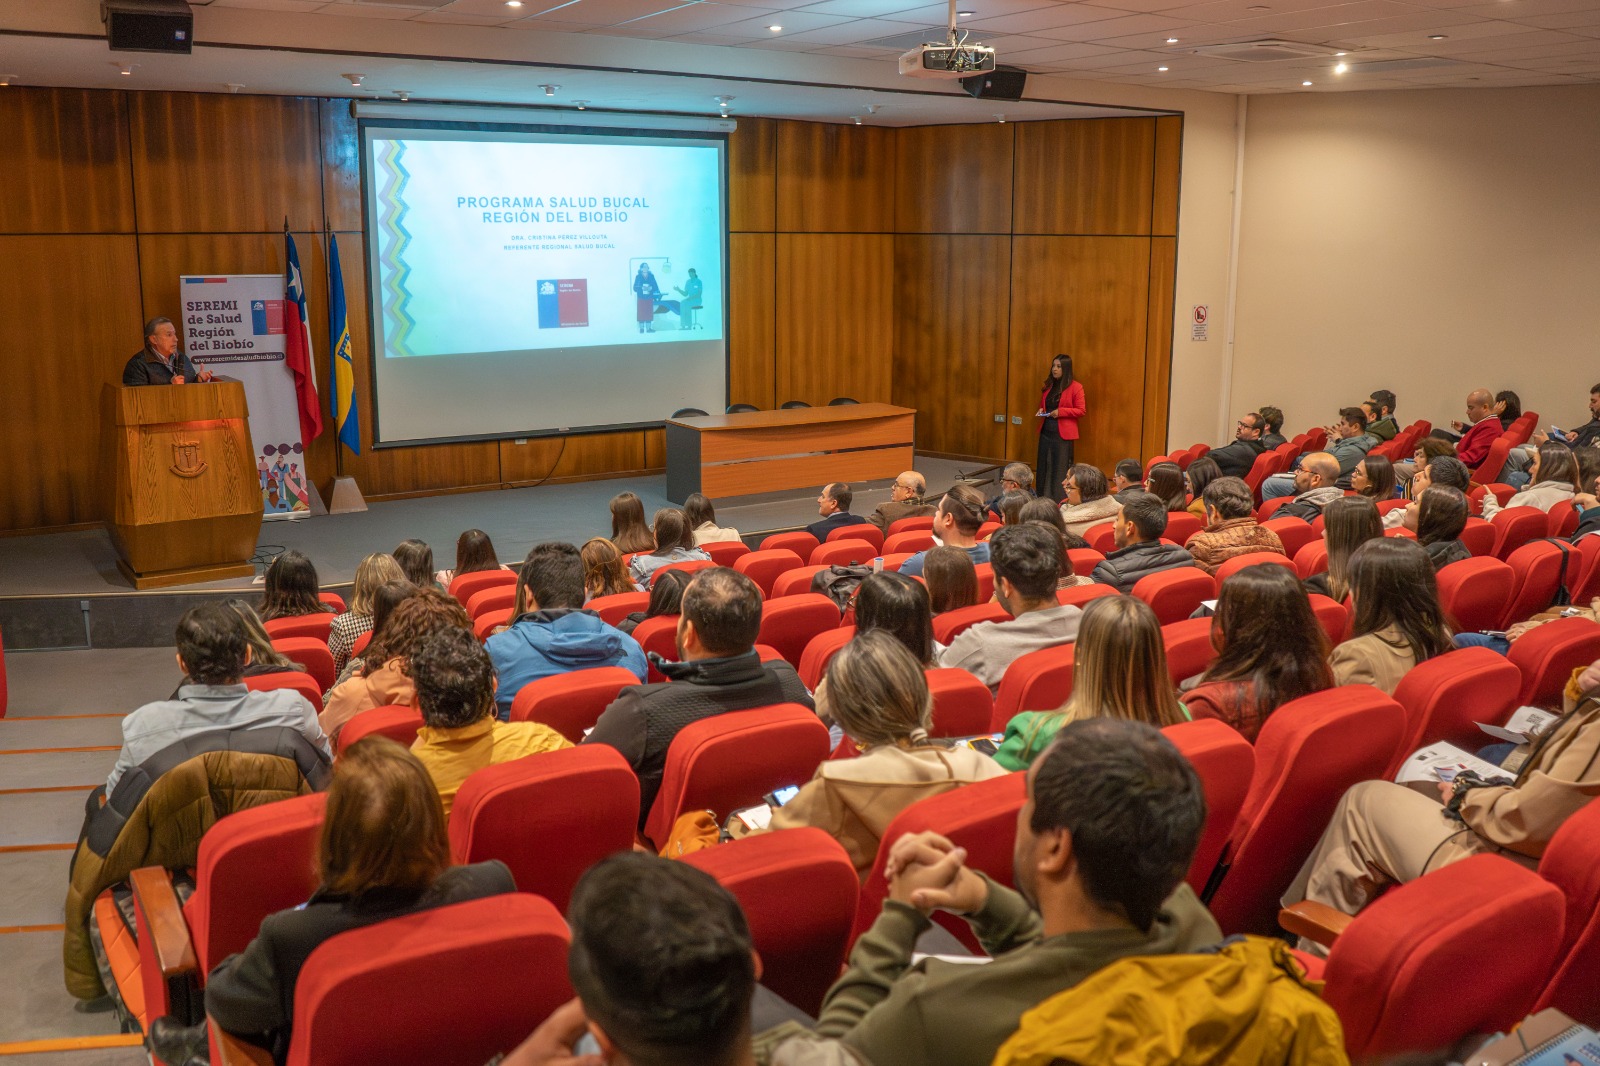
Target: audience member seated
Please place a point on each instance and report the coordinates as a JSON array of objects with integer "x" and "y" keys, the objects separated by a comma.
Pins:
[
  {"x": 1043, "y": 512},
  {"x": 1585, "y": 436},
  {"x": 1507, "y": 408},
  {"x": 1428, "y": 449},
  {"x": 1009, "y": 507},
  {"x": 213, "y": 652},
  {"x": 1586, "y": 502},
  {"x": 1231, "y": 527},
  {"x": 1438, "y": 519},
  {"x": 385, "y": 599},
  {"x": 1384, "y": 834},
  {"x": 876, "y": 692},
  {"x": 906, "y": 500},
  {"x": 956, "y": 521},
  {"x": 1444, "y": 470},
  {"x": 663, "y": 967},
  {"x": 1272, "y": 434},
  {"x": 900, "y": 606},
  {"x": 718, "y": 670},
  {"x": 603, "y": 572},
  {"x": 1270, "y": 650},
  {"x": 1480, "y": 430},
  {"x": 264, "y": 658},
  {"x": 1237, "y": 457},
  {"x": 384, "y": 853},
  {"x": 474, "y": 554},
  {"x": 1119, "y": 671},
  {"x": 460, "y": 734},
  {"x": 555, "y": 635},
  {"x": 1348, "y": 523},
  {"x": 702, "y": 519},
  {"x": 384, "y": 676},
  {"x": 1374, "y": 478},
  {"x": 952, "y": 579},
  {"x": 628, "y": 529},
  {"x": 1167, "y": 482},
  {"x": 833, "y": 504},
  {"x": 1127, "y": 476},
  {"x": 1140, "y": 522},
  {"x": 674, "y": 543},
  {"x": 1114, "y": 814},
  {"x": 666, "y": 595},
  {"x": 1379, "y": 409},
  {"x": 1201, "y": 473},
  {"x": 1088, "y": 500},
  {"x": 291, "y": 588},
  {"x": 1348, "y": 444},
  {"x": 1027, "y": 562},
  {"x": 1396, "y": 619},
  {"x": 1014, "y": 477},
  {"x": 379, "y": 568},
  {"x": 416, "y": 562},
  {"x": 1552, "y": 479},
  {"x": 1315, "y": 486}
]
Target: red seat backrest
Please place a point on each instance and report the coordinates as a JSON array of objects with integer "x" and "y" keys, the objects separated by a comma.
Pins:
[
  {"x": 1547, "y": 655},
  {"x": 847, "y": 551},
  {"x": 909, "y": 540},
  {"x": 613, "y": 609},
  {"x": 1270, "y": 508},
  {"x": 332, "y": 599},
  {"x": 1479, "y": 536},
  {"x": 311, "y": 653},
  {"x": 985, "y": 572},
  {"x": 1078, "y": 595},
  {"x": 797, "y": 581},
  {"x": 549, "y": 817},
  {"x": 1536, "y": 571},
  {"x": 1332, "y": 616},
  {"x": 988, "y": 530},
  {"x": 493, "y": 598},
  {"x": 788, "y": 624},
  {"x": 962, "y": 705},
  {"x": 659, "y": 635},
  {"x": 1102, "y": 537},
  {"x": 763, "y": 567},
  {"x": 1587, "y": 585},
  {"x": 1571, "y": 862},
  {"x": 1494, "y": 462},
  {"x": 464, "y": 586},
  {"x": 726, "y": 552},
  {"x": 300, "y": 625},
  {"x": 1308, "y": 753},
  {"x": 485, "y": 624},
  {"x": 1084, "y": 560},
  {"x": 798, "y": 890},
  {"x": 906, "y": 525},
  {"x": 1293, "y": 533},
  {"x": 302, "y": 683},
  {"x": 1311, "y": 559},
  {"x": 399, "y": 724},
  {"x": 1563, "y": 520},
  {"x": 570, "y": 703},
  {"x": 1175, "y": 594},
  {"x": 862, "y": 531},
  {"x": 819, "y": 652},
  {"x": 360, "y": 645},
  {"x": 951, "y": 624},
  {"x": 800, "y": 542},
  {"x": 731, "y": 760},
  {"x": 422, "y": 974},
  {"x": 1038, "y": 681},
  {"x": 1181, "y": 525},
  {"x": 1382, "y": 977},
  {"x": 1189, "y": 647},
  {"x": 1447, "y": 696},
  {"x": 688, "y": 566},
  {"x": 1239, "y": 562},
  {"x": 1224, "y": 761},
  {"x": 1474, "y": 592},
  {"x": 1516, "y": 526}
]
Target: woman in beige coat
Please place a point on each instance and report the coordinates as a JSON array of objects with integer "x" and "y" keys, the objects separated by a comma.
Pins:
[{"x": 1398, "y": 621}]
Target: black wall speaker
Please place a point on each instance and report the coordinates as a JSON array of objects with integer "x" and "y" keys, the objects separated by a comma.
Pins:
[
  {"x": 148, "y": 25},
  {"x": 1001, "y": 83}
]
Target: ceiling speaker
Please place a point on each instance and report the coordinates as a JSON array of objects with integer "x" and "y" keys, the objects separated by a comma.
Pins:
[
  {"x": 1001, "y": 83},
  {"x": 148, "y": 25}
]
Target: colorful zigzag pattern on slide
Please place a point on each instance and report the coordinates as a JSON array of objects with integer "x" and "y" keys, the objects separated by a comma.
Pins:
[{"x": 391, "y": 260}]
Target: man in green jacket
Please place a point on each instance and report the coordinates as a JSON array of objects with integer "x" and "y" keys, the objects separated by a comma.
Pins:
[{"x": 1113, "y": 816}]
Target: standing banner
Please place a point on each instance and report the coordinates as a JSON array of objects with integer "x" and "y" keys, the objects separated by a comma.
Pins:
[{"x": 234, "y": 325}]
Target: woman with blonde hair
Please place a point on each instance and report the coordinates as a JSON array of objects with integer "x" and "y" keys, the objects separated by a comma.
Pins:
[
  {"x": 1119, "y": 671},
  {"x": 376, "y": 569},
  {"x": 628, "y": 530},
  {"x": 382, "y": 679},
  {"x": 603, "y": 572}
]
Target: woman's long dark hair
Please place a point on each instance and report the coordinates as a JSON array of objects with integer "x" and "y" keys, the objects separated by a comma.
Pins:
[
  {"x": 1166, "y": 480},
  {"x": 1380, "y": 477},
  {"x": 697, "y": 510},
  {"x": 1266, "y": 633},
  {"x": 1393, "y": 584},
  {"x": 1202, "y": 472},
  {"x": 1053, "y": 387},
  {"x": 628, "y": 530},
  {"x": 291, "y": 588},
  {"x": 475, "y": 553},
  {"x": 416, "y": 562},
  {"x": 900, "y": 606},
  {"x": 1348, "y": 523},
  {"x": 1441, "y": 514}
]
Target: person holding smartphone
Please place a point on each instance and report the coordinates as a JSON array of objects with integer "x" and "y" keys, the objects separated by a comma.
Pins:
[{"x": 1060, "y": 407}]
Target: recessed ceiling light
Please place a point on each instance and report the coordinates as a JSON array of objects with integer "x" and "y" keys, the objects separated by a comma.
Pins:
[
  {"x": 1341, "y": 68},
  {"x": 1162, "y": 69},
  {"x": 582, "y": 105},
  {"x": 5, "y": 79},
  {"x": 126, "y": 72},
  {"x": 1340, "y": 53},
  {"x": 513, "y": 3},
  {"x": 549, "y": 90},
  {"x": 1259, "y": 7},
  {"x": 775, "y": 28},
  {"x": 1436, "y": 36},
  {"x": 964, "y": 14},
  {"x": 1172, "y": 40},
  {"x": 856, "y": 119},
  {"x": 1305, "y": 83},
  {"x": 1000, "y": 119}
]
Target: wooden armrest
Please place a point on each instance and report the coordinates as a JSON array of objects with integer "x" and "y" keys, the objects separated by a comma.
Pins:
[
  {"x": 1317, "y": 922},
  {"x": 163, "y": 921},
  {"x": 228, "y": 1050}
]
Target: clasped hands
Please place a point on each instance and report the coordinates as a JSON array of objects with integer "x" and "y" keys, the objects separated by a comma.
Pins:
[{"x": 928, "y": 872}]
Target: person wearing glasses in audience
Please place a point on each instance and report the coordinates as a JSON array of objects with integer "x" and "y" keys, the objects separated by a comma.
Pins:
[
  {"x": 905, "y": 501},
  {"x": 1237, "y": 457}
]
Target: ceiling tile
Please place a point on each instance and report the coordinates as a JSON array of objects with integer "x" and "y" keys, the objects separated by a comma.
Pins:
[
  {"x": 1055, "y": 54},
  {"x": 689, "y": 18},
  {"x": 860, "y": 9},
  {"x": 462, "y": 18},
  {"x": 852, "y": 32},
  {"x": 371, "y": 11},
  {"x": 1516, "y": 9},
  {"x": 755, "y": 29},
  {"x": 1568, "y": 21},
  {"x": 496, "y": 8},
  {"x": 273, "y": 5},
  {"x": 1231, "y": 10},
  {"x": 1055, "y": 16}
]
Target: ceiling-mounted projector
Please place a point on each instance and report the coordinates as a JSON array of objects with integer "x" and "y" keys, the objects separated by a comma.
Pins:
[{"x": 947, "y": 61}]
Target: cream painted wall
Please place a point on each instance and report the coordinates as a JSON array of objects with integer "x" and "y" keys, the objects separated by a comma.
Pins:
[{"x": 1428, "y": 242}]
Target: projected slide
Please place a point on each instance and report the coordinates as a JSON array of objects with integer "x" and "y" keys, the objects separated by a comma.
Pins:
[{"x": 530, "y": 283}]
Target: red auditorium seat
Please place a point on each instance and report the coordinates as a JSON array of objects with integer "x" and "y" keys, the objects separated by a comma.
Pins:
[
  {"x": 797, "y": 581},
  {"x": 1038, "y": 681},
  {"x": 893, "y": 560},
  {"x": 768, "y": 654},
  {"x": 863, "y": 531},
  {"x": 726, "y": 552},
  {"x": 910, "y": 540},
  {"x": 1270, "y": 508},
  {"x": 1076, "y": 596},
  {"x": 688, "y": 566},
  {"x": 951, "y": 624},
  {"x": 1587, "y": 585},
  {"x": 570, "y": 703},
  {"x": 1240, "y": 562},
  {"x": 1084, "y": 560},
  {"x": 311, "y": 653},
  {"x": 361, "y": 643},
  {"x": 1516, "y": 526},
  {"x": 1293, "y": 533},
  {"x": 800, "y": 542},
  {"x": 659, "y": 635},
  {"x": 1311, "y": 559},
  {"x": 332, "y": 599},
  {"x": 1474, "y": 592},
  {"x": 302, "y": 683},
  {"x": 494, "y": 598},
  {"x": 820, "y": 650},
  {"x": 763, "y": 567},
  {"x": 613, "y": 609},
  {"x": 1175, "y": 594},
  {"x": 301, "y": 625},
  {"x": 1308, "y": 753},
  {"x": 985, "y": 572},
  {"x": 1385, "y": 506},
  {"x": 399, "y": 724},
  {"x": 987, "y": 530},
  {"x": 484, "y": 625},
  {"x": 788, "y": 624},
  {"x": 423, "y": 973},
  {"x": 1332, "y": 616},
  {"x": 1382, "y": 974},
  {"x": 1181, "y": 525},
  {"x": 962, "y": 705},
  {"x": 1537, "y": 571},
  {"x": 549, "y": 817},
  {"x": 850, "y": 551},
  {"x": 1259, "y": 471},
  {"x": 1224, "y": 761},
  {"x": 251, "y": 864},
  {"x": 906, "y": 525},
  {"x": 1189, "y": 647},
  {"x": 1547, "y": 655},
  {"x": 1563, "y": 520},
  {"x": 1400, "y": 531},
  {"x": 1571, "y": 862},
  {"x": 1488, "y": 471},
  {"x": 465, "y": 586},
  {"x": 798, "y": 891},
  {"x": 1102, "y": 538},
  {"x": 1478, "y": 537},
  {"x": 1447, "y": 696},
  {"x": 731, "y": 760}
]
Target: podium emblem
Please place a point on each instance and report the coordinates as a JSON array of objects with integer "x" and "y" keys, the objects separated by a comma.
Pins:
[{"x": 186, "y": 461}]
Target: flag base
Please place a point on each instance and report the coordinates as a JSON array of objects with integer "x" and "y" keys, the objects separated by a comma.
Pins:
[{"x": 347, "y": 497}]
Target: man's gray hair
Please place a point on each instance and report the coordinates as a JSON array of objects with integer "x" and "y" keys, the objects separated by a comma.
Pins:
[
  {"x": 1018, "y": 472},
  {"x": 154, "y": 324}
]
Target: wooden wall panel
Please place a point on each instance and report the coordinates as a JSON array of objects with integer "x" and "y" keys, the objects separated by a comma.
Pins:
[
  {"x": 835, "y": 179},
  {"x": 1167, "y": 176},
  {"x": 835, "y": 315},
  {"x": 71, "y": 320},
  {"x": 1158, "y": 345},
  {"x": 582, "y": 455},
  {"x": 341, "y": 167},
  {"x": 951, "y": 295},
  {"x": 64, "y": 153},
  {"x": 954, "y": 179},
  {"x": 752, "y": 176},
  {"x": 206, "y": 163},
  {"x": 752, "y": 319},
  {"x": 1088, "y": 297},
  {"x": 1085, "y": 176}
]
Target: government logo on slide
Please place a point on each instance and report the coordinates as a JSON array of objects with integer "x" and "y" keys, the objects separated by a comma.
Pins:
[{"x": 563, "y": 303}]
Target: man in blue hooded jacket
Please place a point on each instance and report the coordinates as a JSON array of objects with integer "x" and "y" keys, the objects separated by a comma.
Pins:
[{"x": 554, "y": 634}]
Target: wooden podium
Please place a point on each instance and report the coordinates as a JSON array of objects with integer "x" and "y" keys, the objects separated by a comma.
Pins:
[{"x": 186, "y": 498}]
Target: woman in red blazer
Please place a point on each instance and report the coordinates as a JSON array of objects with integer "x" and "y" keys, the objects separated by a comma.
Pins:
[{"x": 1059, "y": 410}]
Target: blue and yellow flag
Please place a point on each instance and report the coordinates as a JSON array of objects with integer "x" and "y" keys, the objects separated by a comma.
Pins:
[{"x": 346, "y": 415}]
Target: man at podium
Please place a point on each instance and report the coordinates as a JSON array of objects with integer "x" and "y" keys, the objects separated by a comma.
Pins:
[{"x": 160, "y": 363}]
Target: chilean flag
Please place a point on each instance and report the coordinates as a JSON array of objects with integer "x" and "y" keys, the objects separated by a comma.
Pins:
[{"x": 297, "y": 345}]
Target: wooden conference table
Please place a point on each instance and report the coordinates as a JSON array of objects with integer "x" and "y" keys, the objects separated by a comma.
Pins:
[{"x": 774, "y": 451}]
